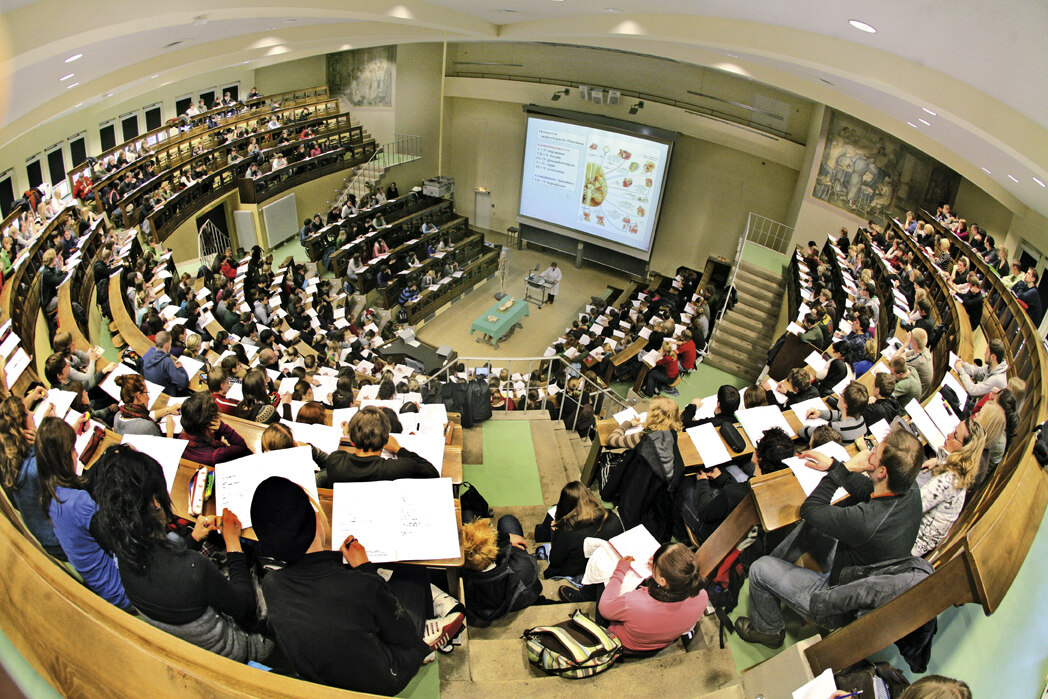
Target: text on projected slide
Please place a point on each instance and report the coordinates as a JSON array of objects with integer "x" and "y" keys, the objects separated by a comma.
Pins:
[{"x": 557, "y": 158}]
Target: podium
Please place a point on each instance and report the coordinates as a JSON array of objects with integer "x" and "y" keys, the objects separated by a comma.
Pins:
[{"x": 536, "y": 289}]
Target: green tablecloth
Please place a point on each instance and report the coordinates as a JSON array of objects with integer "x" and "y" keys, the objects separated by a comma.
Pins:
[{"x": 503, "y": 322}]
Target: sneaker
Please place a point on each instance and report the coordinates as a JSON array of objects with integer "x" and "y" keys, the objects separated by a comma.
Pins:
[
  {"x": 439, "y": 632},
  {"x": 671, "y": 391},
  {"x": 746, "y": 632},
  {"x": 574, "y": 595}
]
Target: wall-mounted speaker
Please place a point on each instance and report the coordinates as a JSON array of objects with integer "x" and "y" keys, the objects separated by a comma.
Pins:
[
  {"x": 613, "y": 96},
  {"x": 584, "y": 90},
  {"x": 597, "y": 96}
]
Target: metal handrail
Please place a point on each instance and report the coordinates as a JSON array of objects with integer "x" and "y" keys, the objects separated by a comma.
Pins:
[
  {"x": 373, "y": 171},
  {"x": 605, "y": 401}
]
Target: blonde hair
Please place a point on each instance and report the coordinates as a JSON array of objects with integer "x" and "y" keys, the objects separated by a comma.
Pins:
[
  {"x": 479, "y": 544},
  {"x": 964, "y": 463},
  {"x": 663, "y": 414},
  {"x": 991, "y": 417}
]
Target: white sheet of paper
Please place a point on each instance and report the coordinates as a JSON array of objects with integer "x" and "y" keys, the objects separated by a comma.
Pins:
[
  {"x": 167, "y": 452},
  {"x": 625, "y": 416},
  {"x": 402, "y": 520},
  {"x": 235, "y": 481},
  {"x": 952, "y": 381},
  {"x": 16, "y": 366},
  {"x": 434, "y": 411},
  {"x": 709, "y": 445},
  {"x": 925, "y": 425},
  {"x": 801, "y": 410},
  {"x": 340, "y": 415},
  {"x": 192, "y": 366},
  {"x": 756, "y": 421},
  {"x": 639, "y": 543},
  {"x": 817, "y": 362},
  {"x": 822, "y": 687},
  {"x": 324, "y": 438},
  {"x": 428, "y": 445},
  {"x": 708, "y": 409},
  {"x": 880, "y": 430},
  {"x": 941, "y": 415}
]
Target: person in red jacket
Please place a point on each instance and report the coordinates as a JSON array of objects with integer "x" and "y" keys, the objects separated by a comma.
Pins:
[
  {"x": 687, "y": 352},
  {"x": 664, "y": 373}
]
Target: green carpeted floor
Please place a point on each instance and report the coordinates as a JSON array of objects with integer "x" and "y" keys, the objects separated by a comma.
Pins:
[{"x": 509, "y": 475}]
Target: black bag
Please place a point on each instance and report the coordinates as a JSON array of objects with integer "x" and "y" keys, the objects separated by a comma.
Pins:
[
  {"x": 880, "y": 681},
  {"x": 1040, "y": 447},
  {"x": 474, "y": 506},
  {"x": 731, "y": 437},
  {"x": 609, "y": 474}
]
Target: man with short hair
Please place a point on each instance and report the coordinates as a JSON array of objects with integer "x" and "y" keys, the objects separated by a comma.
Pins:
[
  {"x": 907, "y": 385},
  {"x": 1015, "y": 277},
  {"x": 218, "y": 385},
  {"x": 848, "y": 420},
  {"x": 919, "y": 358},
  {"x": 1027, "y": 292},
  {"x": 728, "y": 401},
  {"x": 161, "y": 368},
  {"x": 993, "y": 375},
  {"x": 882, "y": 405},
  {"x": 878, "y": 522},
  {"x": 925, "y": 322}
]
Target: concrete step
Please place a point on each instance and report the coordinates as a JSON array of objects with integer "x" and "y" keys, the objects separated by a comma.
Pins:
[
  {"x": 743, "y": 371},
  {"x": 758, "y": 307},
  {"x": 581, "y": 449},
  {"x": 755, "y": 271},
  {"x": 567, "y": 455},
  {"x": 547, "y": 455},
  {"x": 512, "y": 626},
  {"x": 739, "y": 344},
  {"x": 740, "y": 327},
  {"x": 750, "y": 320},
  {"x": 539, "y": 415},
  {"x": 758, "y": 289}
]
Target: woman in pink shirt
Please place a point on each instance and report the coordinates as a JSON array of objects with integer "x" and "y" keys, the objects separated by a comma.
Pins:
[{"x": 664, "y": 607}]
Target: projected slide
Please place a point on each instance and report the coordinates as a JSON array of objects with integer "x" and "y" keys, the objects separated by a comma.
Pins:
[{"x": 602, "y": 183}]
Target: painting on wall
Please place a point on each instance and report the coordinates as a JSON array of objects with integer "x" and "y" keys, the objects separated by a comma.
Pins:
[
  {"x": 874, "y": 176},
  {"x": 364, "y": 77}
]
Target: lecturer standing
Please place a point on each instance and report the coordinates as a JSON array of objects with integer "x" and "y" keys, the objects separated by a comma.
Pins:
[{"x": 552, "y": 275}]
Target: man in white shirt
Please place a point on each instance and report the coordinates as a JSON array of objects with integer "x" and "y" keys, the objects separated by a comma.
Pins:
[{"x": 553, "y": 276}]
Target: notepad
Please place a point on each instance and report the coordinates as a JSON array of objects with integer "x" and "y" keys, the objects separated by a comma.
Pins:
[
  {"x": 236, "y": 481},
  {"x": 625, "y": 416},
  {"x": 757, "y": 421},
  {"x": 801, "y": 411},
  {"x": 429, "y": 445},
  {"x": 402, "y": 520},
  {"x": 924, "y": 424},
  {"x": 323, "y": 437},
  {"x": 709, "y": 445},
  {"x": 941, "y": 415},
  {"x": 604, "y": 557},
  {"x": 167, "y": 452},
  {"x": 708, "y": 409},
  {"x": 809, "y": 478},
  {"x": 817, "y": 362}
]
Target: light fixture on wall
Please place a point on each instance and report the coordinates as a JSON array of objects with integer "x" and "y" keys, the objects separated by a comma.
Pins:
[
  {"x": 638, "y": 106},
  {"x": 560, "y": 93}
]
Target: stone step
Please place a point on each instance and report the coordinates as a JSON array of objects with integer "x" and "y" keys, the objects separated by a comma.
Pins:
[
  {"x": 739, "y": 344},
  {"x": 512, "y": 626},
  {"x": 764, "y": 306},
  {"x": 567, "y": 455},
  {"x": 750, "y": 320},
  {"x": 760, "y": 272},
  {"x": 758, "y": 289},
  {"x": 581, "y": 449},
  {"x": 729, "y": 365},
  {"x": 547, "y": 455},
  {"x": 757, "y": 338}
]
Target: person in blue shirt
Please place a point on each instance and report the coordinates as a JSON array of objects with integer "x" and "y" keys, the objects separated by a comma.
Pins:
[
  {"x": 19, "y": 469},
  {"x": 307, "y": 230},
  {"x": 72, "y": 511},
  {"x": 161, "y": 368},
  {"x": 409, "y": 293}
]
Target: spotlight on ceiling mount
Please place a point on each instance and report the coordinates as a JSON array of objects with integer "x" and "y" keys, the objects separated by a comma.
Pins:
[
  {"x": 560, "y": 93},
  {"x": 636, "y": 107}
]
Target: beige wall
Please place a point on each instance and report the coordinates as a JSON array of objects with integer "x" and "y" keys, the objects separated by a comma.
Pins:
[
  {"x": 1031, "y": 228},
  {"x": 292, "y": 75},
  {"x": 710, "y": 188},
  {"x": 976, "y": 206}
]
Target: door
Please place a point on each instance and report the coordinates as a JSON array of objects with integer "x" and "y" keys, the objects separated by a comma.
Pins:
[{"x": 482, "y": 209}]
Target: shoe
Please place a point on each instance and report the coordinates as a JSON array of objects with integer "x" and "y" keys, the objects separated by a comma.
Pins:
[
  {"x": 574, "y": 595},
  {"x": 671, "y": 391},
  {"x": 746, "y": 632},
  {"x": 439, "y": 632}
]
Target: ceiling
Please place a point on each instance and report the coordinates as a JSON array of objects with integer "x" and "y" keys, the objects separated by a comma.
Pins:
[{"x": 980, "y": 67}]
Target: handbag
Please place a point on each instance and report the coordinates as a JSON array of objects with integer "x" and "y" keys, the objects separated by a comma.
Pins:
[
  {"x": 609, "y": 474},
  {"x": 576, "y": 648},
  {"x": 474, "y": 505}
]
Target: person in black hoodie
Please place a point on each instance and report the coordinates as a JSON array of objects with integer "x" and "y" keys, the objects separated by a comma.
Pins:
[
  {"x": 579, "y": 515},
  {"x": 882, "y": 405},
  {"x": 706, "y": 500},
  {"x": 837, "y": 370},
  {"x": 368, "y": 430},
  {"x": 797, "y": 387},
  {"x": 499, "y": 575},
  {"x": 343, "y": 625},
  {"x": 728, "y": 401}
]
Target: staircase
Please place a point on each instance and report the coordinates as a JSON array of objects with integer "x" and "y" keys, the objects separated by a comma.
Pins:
[
  {"x": 744, "y": 335},
  {"x": 492, "y": 661},
  {"x": 369, "y": 175}
]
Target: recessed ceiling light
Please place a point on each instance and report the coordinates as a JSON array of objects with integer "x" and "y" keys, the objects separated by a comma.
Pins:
[
  {"x": 614, "y": 10},
  {"x": 1038, "y": 181},
  {"x": 78, "y": 104},
  {"x": 929, "y": 111},
  {"x": 925, "y": 122},
  {"x": 154, "y": 77},
  {"x": 1013, "y": 179},
  {"x": 289, "y": 21},
  {"x": 74, "y": 57},
  {"x": 987, "y": 171},
  {"x": 912, "y": 124},
  {"x": 862, "y": 26},
  {"x": 66, "y": 77},
  {"x": 109, "y": 94},
  {"x": 71, "y": 86},
  {"x": 507, "y": 11}
]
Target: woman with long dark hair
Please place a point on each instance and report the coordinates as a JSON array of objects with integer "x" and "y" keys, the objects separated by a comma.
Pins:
[
  {"x": 175, "y": 587},
  {"x": 211, "y": 441},
  {"x": 579, "y": 515},
  {"x": 257, "y": 404},
  {"x": 64, "y": 499}
]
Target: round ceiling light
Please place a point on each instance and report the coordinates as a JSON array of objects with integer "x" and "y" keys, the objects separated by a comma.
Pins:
[{"x": 862, "y": 26}]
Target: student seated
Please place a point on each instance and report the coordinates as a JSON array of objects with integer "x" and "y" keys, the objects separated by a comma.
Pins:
[
  {"x": 836, "y": 370},
  {"x": 706, "y": 500},
  {"x": 337, "y": 621},
  {"x": 878, "y": 522},
  {"x": 666, "y": 605},
  {"x": 944, "y": 481},
  {"x": 174, "y": 587},
  {"x": 72, "y": 511},
  {"x": 727, "y": 404},
  {"x": 907, "y": 385},
  {"x": 849, "y": 420},
  {"x": 161, "y": 368},
  {"x": 499, "y": 576},
  {"x": 18, "y": 468},
  {"x": 882, "y": 405},
  {"x": 211, "y": 441},
  {"x": 134, "y": 416},
  {"x": 368, "y": 430},
  {"x": 579, "y": 515},
  {"x": 257, "y": 405},
  {"x": 797, "y": 387}
]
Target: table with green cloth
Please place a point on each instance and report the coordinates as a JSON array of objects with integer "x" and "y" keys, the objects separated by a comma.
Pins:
[{"x": 504, "y": 321}]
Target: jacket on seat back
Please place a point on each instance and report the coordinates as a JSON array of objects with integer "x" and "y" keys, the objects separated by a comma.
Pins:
[
  {"x": 651, "y": 472},
  {"x": 861, "y": 589}
]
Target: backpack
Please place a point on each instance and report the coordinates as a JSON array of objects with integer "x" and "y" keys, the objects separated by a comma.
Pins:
[
  {"x": 726, "y": 582},
  {"x": 576, "y": 648}
]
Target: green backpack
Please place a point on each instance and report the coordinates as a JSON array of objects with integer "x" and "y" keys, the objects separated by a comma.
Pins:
[{"x": 576, "y": 648}]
